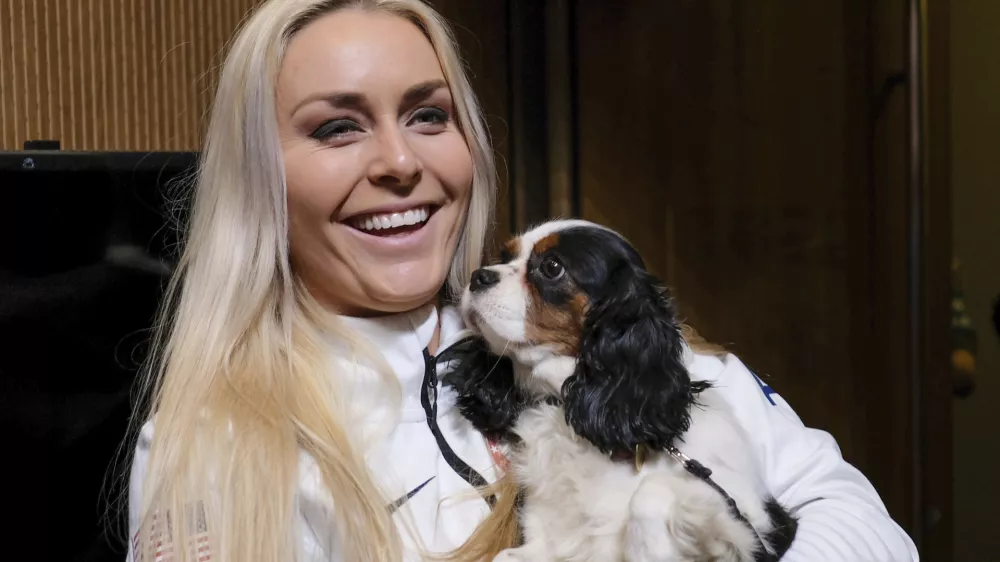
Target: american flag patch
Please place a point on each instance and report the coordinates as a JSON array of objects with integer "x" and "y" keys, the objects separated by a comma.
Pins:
[
  {"x": 160, "y": 536},
  {"x": 202, "y": 552}
]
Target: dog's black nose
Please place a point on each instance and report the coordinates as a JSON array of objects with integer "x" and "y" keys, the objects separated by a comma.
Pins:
[{"x": 483, "y": 278}]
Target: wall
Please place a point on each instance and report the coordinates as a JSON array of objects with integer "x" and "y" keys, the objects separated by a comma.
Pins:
[
  {"x": 110, "y": 74},
  {"x": 735, "y": 145},
  {"x": 976, "y": 207}
]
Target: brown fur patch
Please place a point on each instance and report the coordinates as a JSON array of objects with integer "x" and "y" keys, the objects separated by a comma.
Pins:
[
  {"x": 513, "y": 247},
  {"x": 550, "y": 241},
  {"x": 559, "y": 327}
]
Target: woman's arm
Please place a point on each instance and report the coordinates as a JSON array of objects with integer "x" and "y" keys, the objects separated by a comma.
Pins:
[{"x": 841, "y": 516}]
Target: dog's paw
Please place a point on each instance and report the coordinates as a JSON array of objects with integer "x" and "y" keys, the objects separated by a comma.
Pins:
[
  {"x": 651, "y": 507},
  {"x": 705, "y": 528},
  {"x": 674, "y": 520}
]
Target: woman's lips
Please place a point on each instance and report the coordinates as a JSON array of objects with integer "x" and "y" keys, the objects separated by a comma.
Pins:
[{"x": 394, "y": 238}]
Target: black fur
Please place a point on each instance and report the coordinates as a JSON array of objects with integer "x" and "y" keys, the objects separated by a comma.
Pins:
[
  {"x": 630, "y": 386},
  {"x": 487, "y": 393},
  {"x": 784, "y": 527}
]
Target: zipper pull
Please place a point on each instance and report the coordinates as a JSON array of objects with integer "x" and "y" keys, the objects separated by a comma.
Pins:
[{"x": 430, "y": 366}]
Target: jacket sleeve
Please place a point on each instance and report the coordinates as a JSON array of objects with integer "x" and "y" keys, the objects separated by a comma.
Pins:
[{"x": 841, "y": 516}]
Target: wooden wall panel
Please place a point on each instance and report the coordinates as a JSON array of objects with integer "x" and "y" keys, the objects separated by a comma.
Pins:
[
  {"x": 734, "y": 144},
  {"x": 934, "y": 436},
  {"x": 111, "y": 74}
]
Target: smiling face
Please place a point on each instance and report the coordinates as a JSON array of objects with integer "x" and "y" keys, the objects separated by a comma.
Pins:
[{"x": 379, "y": 174}]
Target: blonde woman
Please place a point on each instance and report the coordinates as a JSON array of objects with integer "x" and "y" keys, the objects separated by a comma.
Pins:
[{"x": 343, "y": 198}]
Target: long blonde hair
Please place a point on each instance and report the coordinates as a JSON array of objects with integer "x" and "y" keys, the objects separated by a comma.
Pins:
[{"x": 239, "y": 379}]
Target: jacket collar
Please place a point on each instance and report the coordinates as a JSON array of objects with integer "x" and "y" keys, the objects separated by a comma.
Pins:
[{"x": 401, "y": 340}]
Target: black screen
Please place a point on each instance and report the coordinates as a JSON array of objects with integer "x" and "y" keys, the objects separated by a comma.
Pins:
[{"x": 87, "y": 244}]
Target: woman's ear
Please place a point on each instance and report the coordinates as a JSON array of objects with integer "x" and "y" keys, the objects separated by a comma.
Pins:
[
  {"x": 630, "y": 386},
  {"x": 488, "y": 395}
]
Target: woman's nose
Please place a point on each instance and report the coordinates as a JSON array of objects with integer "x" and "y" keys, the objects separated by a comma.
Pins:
[{"x": 395, "y": 165}]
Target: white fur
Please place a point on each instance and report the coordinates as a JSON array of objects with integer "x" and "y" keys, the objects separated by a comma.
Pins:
[{"x": 499, "y": 314}]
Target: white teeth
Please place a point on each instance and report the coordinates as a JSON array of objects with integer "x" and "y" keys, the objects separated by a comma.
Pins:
[{"x": 392, "y": 220}]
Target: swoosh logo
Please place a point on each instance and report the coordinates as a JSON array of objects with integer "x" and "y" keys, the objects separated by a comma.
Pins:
[{"x": 402, "y": 500}]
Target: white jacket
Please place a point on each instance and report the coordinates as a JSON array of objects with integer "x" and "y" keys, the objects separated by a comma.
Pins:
[{"x": 432, "y": 460}]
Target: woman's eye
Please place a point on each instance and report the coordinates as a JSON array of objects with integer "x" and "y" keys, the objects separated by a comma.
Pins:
[
  {"x": 551, "y": 269},
  {"x": 429, "y": 116},
  {"x": 335, "y": 128}
]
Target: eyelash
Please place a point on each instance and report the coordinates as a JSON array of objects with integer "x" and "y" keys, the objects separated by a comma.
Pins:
[
  {"x": 438, "y": 116},
  {"x": 329, "y": 129}
]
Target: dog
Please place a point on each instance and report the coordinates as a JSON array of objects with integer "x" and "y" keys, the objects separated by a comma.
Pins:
[{"x": 578, "y": 370}]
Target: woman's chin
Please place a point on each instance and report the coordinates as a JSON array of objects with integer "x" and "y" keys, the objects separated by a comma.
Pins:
[{"x": 395, "y": 295}]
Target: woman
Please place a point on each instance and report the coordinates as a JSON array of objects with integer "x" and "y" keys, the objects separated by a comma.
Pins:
[{"x": 344, "y": 196}]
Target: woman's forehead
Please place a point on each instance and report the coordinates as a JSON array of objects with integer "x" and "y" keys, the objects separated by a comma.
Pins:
[{"x": 372, "y": 53}]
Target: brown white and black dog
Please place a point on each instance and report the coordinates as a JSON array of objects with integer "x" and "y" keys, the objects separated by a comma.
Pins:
[{"x": 581, "y": 372}]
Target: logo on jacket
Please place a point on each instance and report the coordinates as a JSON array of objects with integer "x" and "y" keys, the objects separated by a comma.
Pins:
[
  {"x": 767, "y": 390},
  {"x": 402, "y": 500}
]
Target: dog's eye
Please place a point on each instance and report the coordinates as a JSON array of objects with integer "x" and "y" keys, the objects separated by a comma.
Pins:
[{"x": 551, "y": 269}]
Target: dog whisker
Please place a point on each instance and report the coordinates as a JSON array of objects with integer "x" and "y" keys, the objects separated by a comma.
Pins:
[
  {"x": 499, "y": 359},
  {"x": 497, "y": 307}
]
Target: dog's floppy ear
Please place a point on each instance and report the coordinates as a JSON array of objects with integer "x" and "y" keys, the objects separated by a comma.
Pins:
[
  {"x": 630, "y": 386},
  {"x": 488, "y": 395}
]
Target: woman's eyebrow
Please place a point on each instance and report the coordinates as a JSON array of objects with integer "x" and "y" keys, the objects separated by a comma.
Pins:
[
  {"x": 422, "y": 91},
  {"x": 359, "y": 102},
  {"x": 347, "y": 100}
]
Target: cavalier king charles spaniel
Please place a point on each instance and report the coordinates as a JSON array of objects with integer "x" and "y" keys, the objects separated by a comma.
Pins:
[{"x": 616, "y": 452}]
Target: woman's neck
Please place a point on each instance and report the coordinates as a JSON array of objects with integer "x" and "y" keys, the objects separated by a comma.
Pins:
[{"x": 435, "y": 340}]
